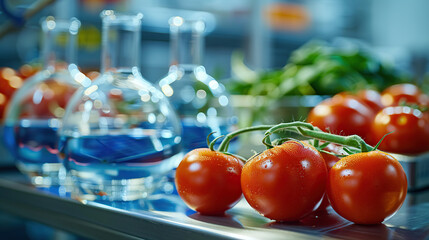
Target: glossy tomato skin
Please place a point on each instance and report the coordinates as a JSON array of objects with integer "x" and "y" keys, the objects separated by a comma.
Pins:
[
  {"x": 7, "y": 88},
  {"x": 343, "y": 115},
  {"x": 404, "y": 92},
  {"x": 209, "y": 181},
  {"x": 367, "y": 188},
  {"x": 408, "y": 128},
  {"x": 285, "y": 183},
  {"x": 330, "y": 161},
  {"x": 3, "y": 103},
  {"x": 371, "y": 98}
]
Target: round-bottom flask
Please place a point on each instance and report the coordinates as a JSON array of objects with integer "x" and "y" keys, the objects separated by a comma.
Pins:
[
  {"x": 120, "y": 136},
  {"x": 202, "y": 103},
  {"x": 36, "y": 109}
]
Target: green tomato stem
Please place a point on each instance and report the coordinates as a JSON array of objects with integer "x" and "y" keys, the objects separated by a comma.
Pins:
[
  {"x": 285, "y": 127},
  {"x": 302, "y": 128},
  {"x": 267, "y": 142},
  {"x": 307, "y": 130},
  {"x": 212, "y": 143},
  {"x": 208, "y": 139},
  {"x": 352, "y": 140},
  {"x": 225, "y": 142}
]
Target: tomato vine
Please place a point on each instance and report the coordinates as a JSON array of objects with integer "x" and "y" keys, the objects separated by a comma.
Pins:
[{"x": 288, "y": 180}]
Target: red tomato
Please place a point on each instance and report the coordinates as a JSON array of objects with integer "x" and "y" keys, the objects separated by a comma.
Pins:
[
  {"x": 27, "y": 70},
  {"x": 92, "y": 75},
  {"x": 367, "y": 188},
  {"x": 116, "y": 94},
  {"x": 330, "y": 161},
  {"x": 424, "y": 100},
  {"x": 8, "y": 76},
  {"x": 209, "y": 181},
  {"x": 285, "y": 183},
  {"x": 398, "y": 93},
  {"x": 343, "y": 115},
  {"x": 371, "y": 98},
  {"x": 9, "y": 83},
  {"x": 409, "y": 130},
  {"x": 48, "y": 100},
  {"x": 3, "y": 103}
]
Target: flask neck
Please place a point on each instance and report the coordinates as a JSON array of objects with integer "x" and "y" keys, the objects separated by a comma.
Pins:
[
  {"x": 120, "y": 42},
  {"x": 187, "y": 42},
  {"x": 59, "y": 42}
]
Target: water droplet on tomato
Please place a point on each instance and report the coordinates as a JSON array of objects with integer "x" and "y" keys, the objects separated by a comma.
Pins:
[
  {"x": 267, "y": 164},
  {"x": 231, "y": 170}
]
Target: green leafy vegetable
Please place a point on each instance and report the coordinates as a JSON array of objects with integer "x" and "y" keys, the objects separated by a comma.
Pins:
[{"x": 316, "y": 68}]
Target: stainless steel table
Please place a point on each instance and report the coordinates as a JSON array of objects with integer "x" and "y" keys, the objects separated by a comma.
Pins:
[{"x": 164, "y": 216}]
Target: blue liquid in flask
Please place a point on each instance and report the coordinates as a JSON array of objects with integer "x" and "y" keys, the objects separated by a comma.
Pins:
[
  {"x": 119, "y": 166},
  {"x": 33, "y": 144}
]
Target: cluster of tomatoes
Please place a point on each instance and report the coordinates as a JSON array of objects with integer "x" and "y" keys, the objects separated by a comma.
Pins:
[
  {"x": 11, "y": 80},
  {"x": 399, "y": 113},
  {"x": 292, "y": 179}
]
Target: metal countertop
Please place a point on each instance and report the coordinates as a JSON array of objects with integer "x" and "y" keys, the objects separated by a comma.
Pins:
[{"x": 164, "y": 216}]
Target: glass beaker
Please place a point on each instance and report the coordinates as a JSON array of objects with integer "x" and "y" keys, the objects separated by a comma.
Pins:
[
  {"x": 120, "y": 135},
  {"x": 36, "y": 109},
  {"x": 201, "y": 102}
]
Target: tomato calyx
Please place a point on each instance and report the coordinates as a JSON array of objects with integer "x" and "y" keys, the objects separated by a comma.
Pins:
[
  {"x": 351, "y": 144},
  {"x": 321, "y": 149},
  {"x": 354, "y": 142},
  {"x": 277, "y": 142},
  {"x": 422, "y": 108},
  {"x": 300, "y": 169}
]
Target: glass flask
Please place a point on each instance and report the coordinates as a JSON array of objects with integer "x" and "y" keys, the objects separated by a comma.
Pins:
[
  {"x": 202, "y": 103},
  {"x": 120, "y": 135},
  {"x": 36, "y": 109}
]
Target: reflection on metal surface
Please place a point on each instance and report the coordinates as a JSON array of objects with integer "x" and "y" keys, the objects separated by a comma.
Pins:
[
  {"x": 164, "y": 216},
  {"x": 416, "y": 168}
]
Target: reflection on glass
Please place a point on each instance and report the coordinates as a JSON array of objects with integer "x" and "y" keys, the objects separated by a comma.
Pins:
[
  {"x": 37, "y": 108},
  {"x": 202, "y": 102},
  {"x": 120, "y": 135}
]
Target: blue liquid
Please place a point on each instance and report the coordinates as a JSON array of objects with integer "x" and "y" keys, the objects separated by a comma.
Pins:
[
  {"x": 195, "y": 136},
  {"x": 120, "y": 156},
  {"x": 32, "y": 142}
]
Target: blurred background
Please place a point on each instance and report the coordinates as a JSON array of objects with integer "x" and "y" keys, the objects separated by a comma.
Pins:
[
  {"x": 265, "y": 31},
  {"x": 277, "y": 59},
  {"x": 249, "y": 43}
]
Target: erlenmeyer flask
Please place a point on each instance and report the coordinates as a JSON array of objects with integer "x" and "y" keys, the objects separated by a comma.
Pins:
[
  {"x": 201, "y": 102},
  {"x": 36, "y": 109},
  {"x": 120, "y": 136}
]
